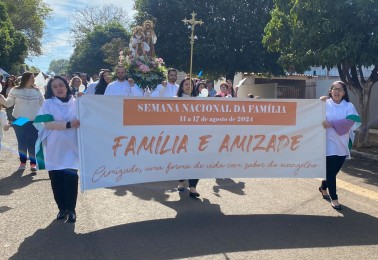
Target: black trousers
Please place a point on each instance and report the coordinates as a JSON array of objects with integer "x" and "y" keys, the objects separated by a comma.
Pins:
[
  {"x": 26, "y": 136},
  {"x": 192, "y": 182},
  {"x": 333, "y": 166},
  {"x": 64, "y": 184}
]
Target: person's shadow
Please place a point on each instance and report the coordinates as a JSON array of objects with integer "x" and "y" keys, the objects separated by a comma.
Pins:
[
  {"x": 17, "y": 180},
  {"x": 199, "y": 228},
  {"x": 229, "y": 185}
]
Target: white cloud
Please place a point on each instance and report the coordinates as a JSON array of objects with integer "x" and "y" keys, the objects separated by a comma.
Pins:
[
  {"x": 57, "y": 40},
  {"x": 56, "y": 43},
  {"x": 65, "y": 8}
]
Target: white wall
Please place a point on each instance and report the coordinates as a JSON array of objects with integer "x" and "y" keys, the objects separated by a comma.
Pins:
[{"x": 261, "y": 90}]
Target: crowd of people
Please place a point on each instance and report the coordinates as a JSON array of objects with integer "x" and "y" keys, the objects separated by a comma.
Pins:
[{"x": 54, "y": 115}]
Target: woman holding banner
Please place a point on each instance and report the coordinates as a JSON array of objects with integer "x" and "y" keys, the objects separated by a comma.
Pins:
[
  {"x": 341, "y": 120},
  {"x": 27, "y": 99},
  {"x": 58, "y": 136},
  {"x": 186, "y": 89}
]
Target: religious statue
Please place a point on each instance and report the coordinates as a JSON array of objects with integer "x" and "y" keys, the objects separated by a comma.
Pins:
[
  {"x": 138, "y": 45},
  {"x": 150, "y": 36}
]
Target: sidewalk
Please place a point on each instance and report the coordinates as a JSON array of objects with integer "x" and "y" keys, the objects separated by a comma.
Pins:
[{"x": 371, "y": 152}]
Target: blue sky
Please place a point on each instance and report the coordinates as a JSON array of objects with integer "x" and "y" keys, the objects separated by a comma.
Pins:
[{"x": 56, "y": 43}]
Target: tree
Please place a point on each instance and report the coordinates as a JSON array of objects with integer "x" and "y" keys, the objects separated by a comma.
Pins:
[
  {"x": 28, "y": 17},
  {"x": 59, "y": 66},
  {"x": 229, "y": 40},
  {"x": 84, "y": 20},
  {"x": 13, "y": 45},
  {"x": 112, "y": 49},
  {"x": 89, "y": 56},
  {"x": 330, "y": 33},
  {"x": 26, "y": 67}
]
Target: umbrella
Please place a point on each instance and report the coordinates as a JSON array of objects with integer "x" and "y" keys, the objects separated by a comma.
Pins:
[{"x": 4, "y": 73}]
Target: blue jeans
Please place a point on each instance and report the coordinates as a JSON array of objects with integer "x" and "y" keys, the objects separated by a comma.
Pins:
[{"x": 26, "y": 135}]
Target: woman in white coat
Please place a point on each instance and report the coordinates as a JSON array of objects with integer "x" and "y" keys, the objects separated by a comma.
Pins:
[
  {"x": 60, "y": 145},
  {"x": 341, "y": 119}
]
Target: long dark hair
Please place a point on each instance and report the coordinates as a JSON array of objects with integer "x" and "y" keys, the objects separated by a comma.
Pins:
[
  {"x": 102, "y": 84},
  {"x": 346, "y": 96},
  {"x": 180, "y": 92},
  {"x": 202, "y": 82},
  {"x": 25, "y": 79},
  {"x": 4, "y": 90},
  {"x": 232, "y": 87},
  {"x": 50, "y": 94}
]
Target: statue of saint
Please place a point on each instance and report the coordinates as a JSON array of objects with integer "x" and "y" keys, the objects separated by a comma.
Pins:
[
  {"x": 138, "y": 45},
  {"x": 150, "y": 37}
]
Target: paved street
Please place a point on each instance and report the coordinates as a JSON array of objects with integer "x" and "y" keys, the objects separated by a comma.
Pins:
[{"x": 235, "y": 219}]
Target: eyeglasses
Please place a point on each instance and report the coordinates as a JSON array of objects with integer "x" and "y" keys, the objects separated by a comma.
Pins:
[{"x": 340, "y": 90}]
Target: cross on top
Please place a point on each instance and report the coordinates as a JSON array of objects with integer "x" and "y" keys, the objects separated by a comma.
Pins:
[{"x": 193, "y": 22}]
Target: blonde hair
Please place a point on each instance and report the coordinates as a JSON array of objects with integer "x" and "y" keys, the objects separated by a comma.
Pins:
[{"x": 73, "y": 78}]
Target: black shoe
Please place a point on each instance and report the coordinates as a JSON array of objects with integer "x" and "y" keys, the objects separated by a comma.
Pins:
[
  {"x": 326, "y": 197},
  {"x": 338, "y": 207},
  {"x": 181, "y": 187},
  {"x": 71, "y": 216},
  {"x": 61, "y": 214},
  {"x": 194, "y": 194}
]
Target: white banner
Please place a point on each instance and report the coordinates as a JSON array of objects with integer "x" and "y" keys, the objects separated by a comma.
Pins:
[{"x": 136, "y": 140}]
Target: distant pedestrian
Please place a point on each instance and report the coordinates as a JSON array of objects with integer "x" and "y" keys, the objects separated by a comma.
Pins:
[
  {"x": 9, "y": 84},
  {"x": 27, "y": 99},
  {"x": 169, "y": 87},
  {"x": 123, "y": 86},
  {"x": 76, "y": 85},
  {"x": 91, "y": 88},
  {"x": 3, "y": 125},
  {"x": 105, "y": 80}
]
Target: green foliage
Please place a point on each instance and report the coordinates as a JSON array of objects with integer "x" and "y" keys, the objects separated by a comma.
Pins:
[
  {"x": 59, "y": 66},
  {"x": 26, "y": 67},
  {"x": 324, "y": 32},
  {"x": 13, "y": 45},
  {"x": 228, "y": 41},
  {"x": 89, "y": 54},
  {"x": 28, "y": 17},
  {"x": 329, "y": 33},
  {"x": 111, "y": 50}
]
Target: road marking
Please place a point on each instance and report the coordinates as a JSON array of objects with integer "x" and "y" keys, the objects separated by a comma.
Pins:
[{"x": 357, "y": 190}]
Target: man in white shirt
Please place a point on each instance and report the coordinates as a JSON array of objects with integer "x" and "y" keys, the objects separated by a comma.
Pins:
[
  {"x": 168, "y": 89},
  {"x": 123, "y": 87}
]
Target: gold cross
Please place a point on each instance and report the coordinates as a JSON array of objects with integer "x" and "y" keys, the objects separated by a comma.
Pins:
[{"x": 193, "y": 22}]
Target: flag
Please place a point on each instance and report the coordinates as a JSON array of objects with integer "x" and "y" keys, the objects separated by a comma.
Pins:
[{"x": 42, "y": 135}]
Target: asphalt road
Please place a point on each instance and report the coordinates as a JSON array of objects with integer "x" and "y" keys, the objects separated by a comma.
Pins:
[{"x": 235, "y": 218}]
